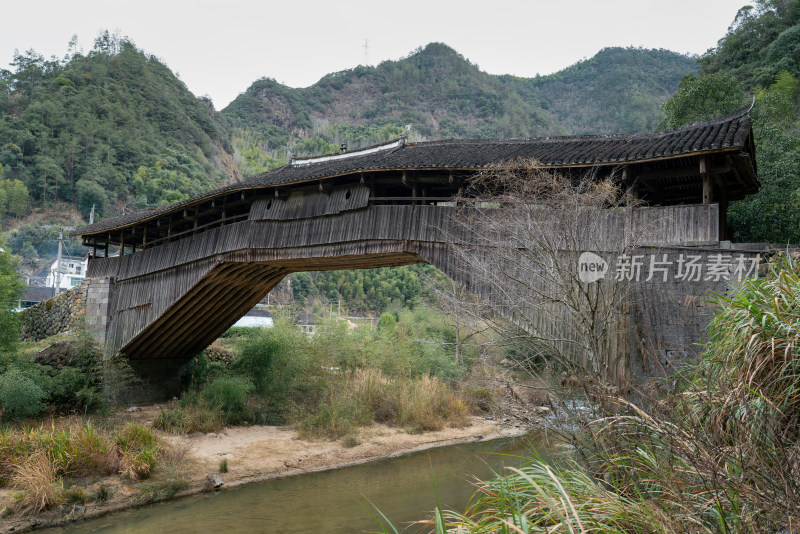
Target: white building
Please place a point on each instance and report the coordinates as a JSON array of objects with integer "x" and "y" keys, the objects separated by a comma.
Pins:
[{"x": 71, "y": 274}]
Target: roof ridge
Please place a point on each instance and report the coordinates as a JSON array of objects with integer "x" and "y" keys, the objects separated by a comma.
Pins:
[{"x": 385, "y": 146}]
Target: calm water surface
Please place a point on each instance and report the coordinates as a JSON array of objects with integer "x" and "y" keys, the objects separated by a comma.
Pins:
[{"x": 331, "y": 502}]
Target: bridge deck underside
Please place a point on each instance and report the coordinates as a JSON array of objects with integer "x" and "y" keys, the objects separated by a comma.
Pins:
[{"x": 224, "y": 294}]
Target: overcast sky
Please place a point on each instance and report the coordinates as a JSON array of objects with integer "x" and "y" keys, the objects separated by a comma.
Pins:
[{"x": 219, "y": 47}]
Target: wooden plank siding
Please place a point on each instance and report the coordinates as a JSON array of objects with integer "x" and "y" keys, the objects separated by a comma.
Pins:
[
  {"x": 303, "y": 204},
  {"x": 172, "y": 300}
]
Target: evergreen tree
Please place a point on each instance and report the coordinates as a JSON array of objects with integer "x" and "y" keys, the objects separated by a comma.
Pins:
[
  {"x": 11, "y": 288},
  {"x": 702, "y": 98},
  {"x": 760, "y": 54}
]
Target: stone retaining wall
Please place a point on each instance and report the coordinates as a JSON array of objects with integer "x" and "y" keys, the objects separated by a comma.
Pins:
[{"x": 63, "y": 313}]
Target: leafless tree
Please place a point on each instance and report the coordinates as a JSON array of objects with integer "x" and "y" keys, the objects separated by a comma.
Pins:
[
  {"x": 460, "y": 309},
  {"x": 544, "y": 249}
]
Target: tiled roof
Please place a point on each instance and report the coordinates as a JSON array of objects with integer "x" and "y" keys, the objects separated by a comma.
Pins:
[
  {"x": 37, "y": 294},
  {"x": 728, "y": 133}
]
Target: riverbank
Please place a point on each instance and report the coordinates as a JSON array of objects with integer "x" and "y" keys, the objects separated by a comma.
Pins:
[{"x": 251, "y": 454}]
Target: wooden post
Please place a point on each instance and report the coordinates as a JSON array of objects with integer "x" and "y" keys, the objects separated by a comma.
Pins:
[
  {"x": 707, "y": 194},
  {"x": 626, "y": 179},
  {"x": 723, "y": 214},
  {"x": 707, "y": 189},
  {"x": 122, "y": 242}
]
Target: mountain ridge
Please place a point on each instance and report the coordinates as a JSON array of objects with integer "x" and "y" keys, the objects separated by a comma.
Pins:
[{"x": 440, "y": 94}]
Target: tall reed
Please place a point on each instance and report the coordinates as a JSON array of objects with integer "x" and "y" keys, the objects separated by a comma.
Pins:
[{"x": 719, "y": 453}]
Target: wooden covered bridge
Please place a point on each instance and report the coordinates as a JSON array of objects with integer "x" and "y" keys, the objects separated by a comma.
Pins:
[{"x": 185, "y": 273}]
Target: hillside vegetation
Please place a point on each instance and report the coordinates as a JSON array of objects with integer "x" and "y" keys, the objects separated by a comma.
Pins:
[
  {"x": 760, "y": 57},
  {"x": 436, "y": 93},
  {"x": 114, "y": 129},
  {"x": 618, "y": 91}
]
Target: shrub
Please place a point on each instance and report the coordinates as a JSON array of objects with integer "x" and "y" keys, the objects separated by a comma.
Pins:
[
  {"x": 199, "y": 416},
  {"x": 264, "y": 360},
  {"x": 102, "y": 494},
  {"x": 117, "y": 377},
  {"x": 92, "y": 452},
  {"x": 282, "y": 368},
  {"x": 200, "y": 370},
  {"x": 75, "y": 495},
  {"x": 337, "y": 346},
  {"x": 67, "y": 385},
  {"x": 20, "y": 396},
  {"x": 138, "y": 449},
  {"x": 239, "y": 331},
  {"x": 89, "y": 400},
  {"x": 229, "y": 394}
]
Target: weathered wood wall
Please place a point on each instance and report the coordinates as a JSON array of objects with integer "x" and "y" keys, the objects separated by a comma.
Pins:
[{"x": 170, "y": 301}]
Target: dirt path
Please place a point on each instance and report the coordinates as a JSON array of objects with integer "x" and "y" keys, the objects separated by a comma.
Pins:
[{"x": 254, "y": 454}]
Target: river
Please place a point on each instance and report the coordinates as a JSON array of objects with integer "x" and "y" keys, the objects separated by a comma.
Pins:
[{"x": 335, "y": 501}]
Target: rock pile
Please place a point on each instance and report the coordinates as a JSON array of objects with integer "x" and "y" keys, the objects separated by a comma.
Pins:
[{"x": 63, "y": 313}]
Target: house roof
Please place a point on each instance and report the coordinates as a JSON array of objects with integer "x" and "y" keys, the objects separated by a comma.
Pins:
[
  {"x": 731, "y": 133},
  {"x": 70, "y": 258},
  {"x": 37, "y": 294}
]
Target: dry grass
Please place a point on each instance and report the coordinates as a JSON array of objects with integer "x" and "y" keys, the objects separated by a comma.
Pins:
[
  {"x": 419, "y": 404},
  {"x": 34, "y": 460},
  {"x": 189, "y": 418},
  {"x": 428, "y": 404},
  {"x": 138, "y": 448},
  {"x": 35, "y": 478}
]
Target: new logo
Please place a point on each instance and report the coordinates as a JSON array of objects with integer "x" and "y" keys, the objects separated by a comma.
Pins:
[{"x": 591, "y": 267}]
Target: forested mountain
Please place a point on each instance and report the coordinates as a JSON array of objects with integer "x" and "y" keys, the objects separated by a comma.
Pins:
[
  {"x": 760, "y": 56},
  {"x": 619, "y": 90},
  {"x": 114, "y": 129},
  {"x": 762, "y": 41},
  {"x": 436, "y": 93}
]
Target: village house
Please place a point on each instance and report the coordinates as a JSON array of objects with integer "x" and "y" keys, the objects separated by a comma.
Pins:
[{"x": 71, "y": 273}]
